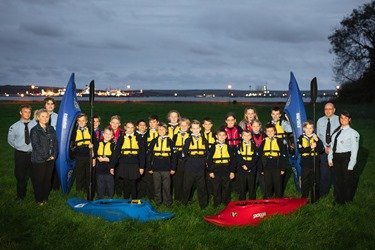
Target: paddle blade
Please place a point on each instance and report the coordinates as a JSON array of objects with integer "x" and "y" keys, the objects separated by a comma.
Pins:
[
  {"x": 92, "y": 92},
  {"x": 313, "y": 89}
]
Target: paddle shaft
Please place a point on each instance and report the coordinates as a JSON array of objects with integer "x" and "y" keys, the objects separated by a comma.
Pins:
[{"x": 90, "y": 190}]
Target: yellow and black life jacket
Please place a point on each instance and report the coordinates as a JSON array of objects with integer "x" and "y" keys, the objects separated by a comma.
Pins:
[
  {"x": 83, "y": 138},
  {"x": 161, "y": 148},
  {"x": 197, "y": 147},
  {"x": 173, "y": 130},
  {"x": 306, "y": 142},
  {"x": 271, "y": 147},
  {"x": 280, "y": 133},
  {"x": 130, "y": 145},
  {"x": 104, "y": 149},
  {"x": 180, "y": 140},
  {"x": 221, "y": 155},
  {"x": 152, "y": 134},
  {"x": 246, "y": 151},
  {"x": 210, "y": 138}
]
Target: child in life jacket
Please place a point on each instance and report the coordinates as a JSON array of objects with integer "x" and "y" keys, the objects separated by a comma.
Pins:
[
  {"x": 161, "y": 165},
  {"x": 173, "y": 118}
]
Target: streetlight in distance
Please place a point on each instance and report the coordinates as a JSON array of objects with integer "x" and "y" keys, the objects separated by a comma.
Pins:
[{"x": 229, "y": 89}]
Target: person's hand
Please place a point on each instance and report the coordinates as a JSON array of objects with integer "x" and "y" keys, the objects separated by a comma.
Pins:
[
  {"x": 315, "y": 137},
  {"x": 150, "y": 172},
  {"x": 100, "y": 158},
  {"x": 313, "y": 145},
  {"x": 172, "y": 172},
  {"x": 244, "y": 167},
  {"x": 231, "y": 175},
  {"x": 330, "y": 164},
  {"x": 282, "y": 172},
  {"x": 91, "y": 145},
  {"x": 212, "y": 175},
  {"x": 93, "y": 162},
  {"x": 112, "y": 171},
  {"x": 262, "y": 173},
  {"x": 327, "y": 149},
  {"x": 141, "y": 171}
]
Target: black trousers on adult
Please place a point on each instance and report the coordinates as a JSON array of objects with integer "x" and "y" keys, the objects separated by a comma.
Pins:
[
  {"x": 273, "y": 180},
  {"x": 178, "y": 181},
  {"x": 221, "y": 185},
  {"x": 308, "y": 178},
  {"x": 198, "y": 179},
  {"x": 162, "y": 185},
  {"x": 55, "y": 183},
  {"x": 247, "y": 185},
  {"x": 82, "y": 173},
  {"x": 344, "y": 178},
  {"x": 327, "y": 178},
  {"x": 41, "y": 179},
  {"x": 22, "y": 171}
]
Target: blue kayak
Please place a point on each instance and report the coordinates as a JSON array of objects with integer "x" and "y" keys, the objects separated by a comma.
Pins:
[
  {"x": 68, "y": 112},
  {"x": 295, "y": 111},
  {"x": 119, "y": 209}
]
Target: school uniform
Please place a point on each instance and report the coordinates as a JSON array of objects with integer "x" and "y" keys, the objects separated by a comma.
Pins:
[
  {"x": 209, "y": 136},
  {"x": 161, "y": 160},
  {"x": 44, "y": 143},
  {"x": 273, "y": 153},
  {"x": 344, "y": 145},
  {"x": 144, "y": 183},
  {"x": 195, "y": 151},
  {"x": 130, "y": 155},
  {"x": 119, "y": 187},
  {"x": 178, "y": 177},
  {"x": 247, "y": 155},
  {"x": 81, "y": 150},
  {"x": 221, "y": 162},
  {"x": 104, "y": 178},
  {"x": 325, "y": 127},
  {"x": 19, "y": 139},
  {"x": 258, "y": 139},
  {"x": 173, "y": 130},
  {"x": 309, "y": 171}
]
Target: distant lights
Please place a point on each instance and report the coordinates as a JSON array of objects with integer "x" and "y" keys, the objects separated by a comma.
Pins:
[{"x": 175, "y": 94}]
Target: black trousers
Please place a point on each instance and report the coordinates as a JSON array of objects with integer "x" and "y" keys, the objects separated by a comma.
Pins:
[
  {"x": 308, "y": 178},
  {"x": 130, "y": 188},
  {"x": 273, "y": 180},
  {"x": 178, "y": 181},
  {"x": 105, "y": 185},
  {"x": 344, "y": 179},
  {"x": 146, "y": 186},
  {"x": 221, "y": 185},
  {"x": 198, "y": 178},
  {"x": 260, "y": 179},
  {"x": 82, "y": 173},
  {"x": 247, "y": 184},
  {"x": 327, "y": 178},
  {"x": 41, "y": 179},
  {"x": 162, "y": 185},
  {"x": 55, "y": 183},
  {"x": 22, "y": 171}
]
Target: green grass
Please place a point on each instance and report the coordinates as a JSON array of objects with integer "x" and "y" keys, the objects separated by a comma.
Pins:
[{"x": 322, "y": 225}]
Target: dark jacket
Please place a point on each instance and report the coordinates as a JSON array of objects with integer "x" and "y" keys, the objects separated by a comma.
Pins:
[
  {"x": 161, "y": 163},
  {"x": 44, "y": 143},
  {"x": 252, "y": 164},
  {"x": 221, "y": 168},
  {"x": 194, "y": 163},
  {"x": 279, "y": 162}
]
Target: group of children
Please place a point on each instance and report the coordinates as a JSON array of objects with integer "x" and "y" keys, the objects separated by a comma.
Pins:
[{"x": 168, "y": 161}]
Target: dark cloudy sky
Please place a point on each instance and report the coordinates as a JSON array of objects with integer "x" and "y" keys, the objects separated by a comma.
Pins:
[{"x": 169, "y": 44}]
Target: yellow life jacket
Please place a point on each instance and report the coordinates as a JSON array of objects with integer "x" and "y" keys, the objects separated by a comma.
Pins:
[
  {"x": 161, "y": 148},
  {"x": 271, "y": 148},
  {"x": 152, "y": 134},
  {"x": 209, "y": 137},
  {"x": 246, "y": 151},
  {"x": 280, "y": 133},
  {"x": 83, "y": 138},
  {"x": 180, "y": 140},
  {"x": 197, "y": 147},
  {"x": 306, "y": 142},
  {"x": 130, "y": 146},
  {"x": 173, "y": 131},
  {"x": 221, "y": 155},
  {"x": 104, "y": 149}
]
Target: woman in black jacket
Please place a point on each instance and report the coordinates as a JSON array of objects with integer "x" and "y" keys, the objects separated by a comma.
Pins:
[{"x": 44, "y": 143}]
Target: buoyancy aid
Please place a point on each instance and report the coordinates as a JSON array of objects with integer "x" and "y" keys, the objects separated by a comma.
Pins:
[
  {"x": 221, "y": 154},
  {"x": 197, "y": 147},
  {"x": 280, "y": 133},
  {"x": 83, "y": 137},
  {"x": 162, "y": 147},
  {"x": 209, "y": 137},
  {"x": 104, "y": 149},
  {"x": 258, "y": 139},
  {"x": 233, "y": 136},
  {"x": 246, "y": 150},
  {"x": 130, "y": 145},
  {"x": 271, "y": 147},
  {"x": 152, "y": 134},
  {"x": 173, "y": 130},
  {"x": 180, "y": 140},
  {"x": 306, "y": 142}
]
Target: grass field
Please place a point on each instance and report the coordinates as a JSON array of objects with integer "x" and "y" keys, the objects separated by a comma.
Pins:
[{"x": 319, "y": 226}]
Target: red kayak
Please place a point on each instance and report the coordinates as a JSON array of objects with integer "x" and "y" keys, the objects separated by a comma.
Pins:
[{"x": 251, "y": 212}]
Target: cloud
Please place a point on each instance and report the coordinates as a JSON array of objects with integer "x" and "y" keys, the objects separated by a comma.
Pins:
[{"x": 42, "y": 29}]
